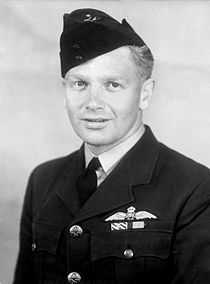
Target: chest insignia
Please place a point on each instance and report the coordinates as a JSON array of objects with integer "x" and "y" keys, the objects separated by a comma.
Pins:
[{"x": 129, "y": 220}]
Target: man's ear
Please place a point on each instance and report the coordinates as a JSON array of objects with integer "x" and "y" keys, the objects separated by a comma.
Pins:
[{"x": 146, "y": 93}]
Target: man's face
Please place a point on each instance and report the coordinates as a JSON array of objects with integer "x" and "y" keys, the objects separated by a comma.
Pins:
[{"x": 102, "y": 99}]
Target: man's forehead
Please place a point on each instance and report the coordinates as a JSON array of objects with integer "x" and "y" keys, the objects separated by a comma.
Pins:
[{"x": 111, "y": 64}]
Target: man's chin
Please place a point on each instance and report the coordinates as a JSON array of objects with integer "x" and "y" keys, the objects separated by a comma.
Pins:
[
  {"x": 95, "y": 143},
  {"x": 95, "y": 138}
]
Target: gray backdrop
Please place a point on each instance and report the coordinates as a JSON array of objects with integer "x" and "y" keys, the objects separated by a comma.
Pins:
[{"x": 34, "y": 125}]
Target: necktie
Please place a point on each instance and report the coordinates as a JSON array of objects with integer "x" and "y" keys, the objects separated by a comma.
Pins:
[{"x": 87, "y": 182}]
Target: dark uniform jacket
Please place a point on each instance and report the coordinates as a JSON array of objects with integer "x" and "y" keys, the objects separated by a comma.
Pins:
[{"x": 172, "y": 248}]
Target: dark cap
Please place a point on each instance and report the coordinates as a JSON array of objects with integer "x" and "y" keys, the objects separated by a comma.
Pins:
[{"x": 88, "y": 33}]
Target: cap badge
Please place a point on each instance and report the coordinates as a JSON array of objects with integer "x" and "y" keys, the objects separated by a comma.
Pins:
[
  {"x": 130, "y": 219},
  {"x": 89, "y": 18}
]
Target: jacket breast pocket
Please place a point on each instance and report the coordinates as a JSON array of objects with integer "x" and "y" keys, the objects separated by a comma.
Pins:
[
  {"x": 46, "y": 243},
  {"x": 136, "y": 254}
]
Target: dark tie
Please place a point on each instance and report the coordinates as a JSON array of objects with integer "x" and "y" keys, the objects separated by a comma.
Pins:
[{"x": 87, "y": 182}]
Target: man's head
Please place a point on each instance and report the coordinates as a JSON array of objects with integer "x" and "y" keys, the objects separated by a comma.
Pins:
[{"x": 106, "y": 67}]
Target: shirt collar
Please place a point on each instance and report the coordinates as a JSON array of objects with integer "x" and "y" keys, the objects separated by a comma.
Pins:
[{"x": 111, "y": 157}]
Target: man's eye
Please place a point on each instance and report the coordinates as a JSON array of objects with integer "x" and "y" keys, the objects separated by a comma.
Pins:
[
  {"x": 111, "y": 85},
  {"x": 79, "y": 84}
]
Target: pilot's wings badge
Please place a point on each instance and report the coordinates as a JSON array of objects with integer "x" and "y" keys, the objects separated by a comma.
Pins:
[{"x": 129, "y": 220}]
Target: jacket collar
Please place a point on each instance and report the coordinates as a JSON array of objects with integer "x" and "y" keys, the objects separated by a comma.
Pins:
[
  {"x": 110, "y": 158},
  {"x": 135, "y": 168},
  {"x": 142, "y": 158}
]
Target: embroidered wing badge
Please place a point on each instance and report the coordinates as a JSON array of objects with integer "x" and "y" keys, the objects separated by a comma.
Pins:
[{"x": 129, "y": 220}]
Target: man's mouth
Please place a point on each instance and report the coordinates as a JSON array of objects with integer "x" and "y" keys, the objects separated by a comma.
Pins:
[
  {"x": 95, "y": 123},
  {"x": 96, "y": 119}
]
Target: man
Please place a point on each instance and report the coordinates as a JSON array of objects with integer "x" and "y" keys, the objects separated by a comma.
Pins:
[{"x": 124, "y": 208}]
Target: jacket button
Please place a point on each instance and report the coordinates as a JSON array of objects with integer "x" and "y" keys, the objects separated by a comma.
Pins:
[
  {"x": 33, "y": 247},
  {"x": 78, "y": 57},
  {"x": 76, "y": 231},
  {"x": 128, "y": 253},
  {"x": 76, "y": 46},
  {"x": 74, "y": 277}
]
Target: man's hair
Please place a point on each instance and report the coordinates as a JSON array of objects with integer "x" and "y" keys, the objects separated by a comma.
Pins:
[{"x": 143, "y": 59}]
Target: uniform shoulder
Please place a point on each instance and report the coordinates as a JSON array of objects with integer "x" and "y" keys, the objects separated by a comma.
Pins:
[
  {"x": 182, "y": 165},
  {"x": 53, "y": 166}
]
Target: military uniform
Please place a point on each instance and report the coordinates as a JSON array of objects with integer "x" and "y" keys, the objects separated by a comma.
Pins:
[
  {"x": 100, "y": 242},
  {"x": 148, "y": 221}
]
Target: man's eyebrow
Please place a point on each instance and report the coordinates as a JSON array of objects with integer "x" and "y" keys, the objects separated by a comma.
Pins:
[
  {"x": 105, "y": 77},
  {"x": 115, "y": 78},
  {"x": 78, "y": 76}
]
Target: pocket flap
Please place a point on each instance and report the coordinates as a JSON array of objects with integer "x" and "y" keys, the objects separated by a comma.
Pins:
[
  {"x": 46, "y": 237},
  {"x": 142, "y": 243}
]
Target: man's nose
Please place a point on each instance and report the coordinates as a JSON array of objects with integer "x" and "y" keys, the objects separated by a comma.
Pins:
[{"x": 94, "y": 98}]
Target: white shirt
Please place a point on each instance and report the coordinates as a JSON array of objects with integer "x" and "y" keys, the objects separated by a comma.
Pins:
[{"x": 111, "y": 158}]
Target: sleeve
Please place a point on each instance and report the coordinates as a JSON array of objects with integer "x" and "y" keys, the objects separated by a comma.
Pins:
[
  {"x": 191, "y": 245},
  {"x": 24, "y": 265}
]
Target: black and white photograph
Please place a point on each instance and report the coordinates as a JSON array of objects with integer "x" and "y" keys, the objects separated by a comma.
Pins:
[{"x": 105, "y": 142}]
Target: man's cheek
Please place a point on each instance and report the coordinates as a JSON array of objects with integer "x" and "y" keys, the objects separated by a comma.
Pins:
[{"x": 125, "y": 112}]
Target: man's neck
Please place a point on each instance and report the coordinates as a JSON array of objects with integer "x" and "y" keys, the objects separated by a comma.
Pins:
[
  {"x": 111, "y": 156},
  {"x": 99, "y": 149}
]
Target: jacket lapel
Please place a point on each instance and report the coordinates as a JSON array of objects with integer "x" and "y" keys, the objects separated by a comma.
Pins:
[
  {"x": 62, "y": 204},
  {"x": 136, "y": 167},
  {"x": 61, "y": 199},
  {"x": 66, "y": 187}
]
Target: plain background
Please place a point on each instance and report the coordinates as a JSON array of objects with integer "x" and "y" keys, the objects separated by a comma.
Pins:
[{"x": 33, "y": 122}]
